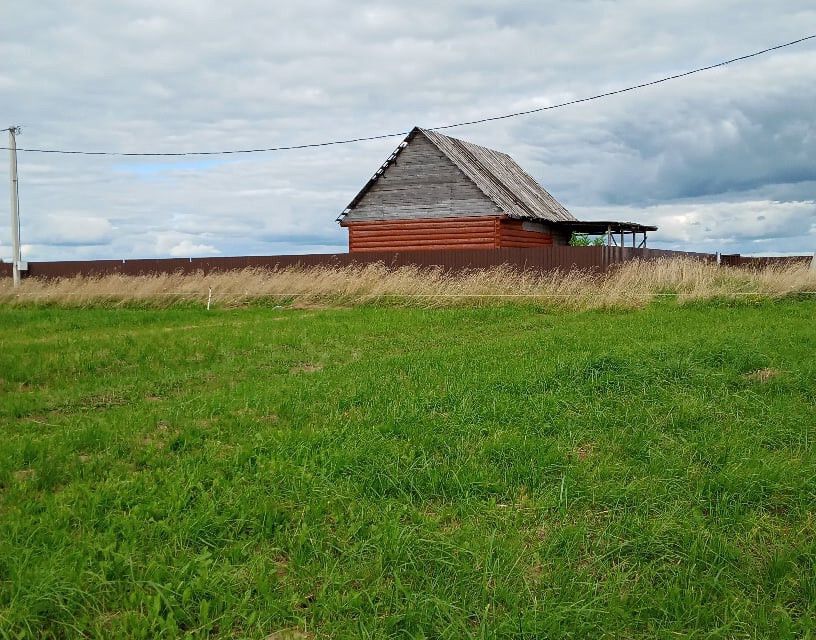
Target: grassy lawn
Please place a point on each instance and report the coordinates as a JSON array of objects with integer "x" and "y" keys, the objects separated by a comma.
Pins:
[{"x": 408, "y": 473}]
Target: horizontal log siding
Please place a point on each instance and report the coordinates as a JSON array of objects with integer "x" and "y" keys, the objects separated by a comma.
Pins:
[
  {"x": 511, "y": 233},
  {"x": 476, "y": 232},
  {"x": 415, "y": 235}
]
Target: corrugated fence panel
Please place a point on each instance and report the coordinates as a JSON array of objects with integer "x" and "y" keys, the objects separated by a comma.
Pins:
[
  {"x": 548, "y": 258},
  {"x": 736, "y": 260}
]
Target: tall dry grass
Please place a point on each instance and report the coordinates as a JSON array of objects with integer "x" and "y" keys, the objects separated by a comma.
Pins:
[{"x": 632, "y": 284}]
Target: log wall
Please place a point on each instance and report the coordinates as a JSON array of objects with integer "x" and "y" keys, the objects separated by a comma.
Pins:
[
  {"x": 416, "y": 235},
  {"x": 515, "y": 233},
  {"x": 476, "y": 232}
]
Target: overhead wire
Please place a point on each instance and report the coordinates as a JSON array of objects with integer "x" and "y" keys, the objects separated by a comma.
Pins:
[{"x": 505, "y": 116}]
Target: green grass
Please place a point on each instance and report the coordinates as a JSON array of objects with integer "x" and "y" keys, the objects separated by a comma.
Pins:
[{"x": 408, "y": 473}]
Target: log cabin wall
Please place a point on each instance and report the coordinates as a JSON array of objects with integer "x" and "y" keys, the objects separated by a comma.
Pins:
[
  {"x": 519, "y": 234},
  {"x": 428, "y": 233},
  {"x": 472, "y": 232}
]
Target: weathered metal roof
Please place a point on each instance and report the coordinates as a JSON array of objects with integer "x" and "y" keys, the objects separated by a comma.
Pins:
[
  {"x": 501, "y": 179},
  {"x": 496, "y": 174}
]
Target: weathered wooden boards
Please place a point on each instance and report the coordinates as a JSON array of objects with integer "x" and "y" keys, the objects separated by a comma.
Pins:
[
  {"x": 436, "y": 192},
  {"x": 496, "y": 174},
  {"x": 437, "y": 176},
  {"x": 422, "y": 183}
]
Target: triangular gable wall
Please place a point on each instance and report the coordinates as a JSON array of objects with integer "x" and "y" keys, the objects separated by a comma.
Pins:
[
  {"x": 420, "y": 181},
  {"x": 501, "y": 179}
]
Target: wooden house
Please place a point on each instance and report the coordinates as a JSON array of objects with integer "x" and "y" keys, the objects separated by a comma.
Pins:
[{"x": 438, "y": 192}]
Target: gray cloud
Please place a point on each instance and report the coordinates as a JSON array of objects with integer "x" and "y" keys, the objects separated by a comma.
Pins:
[
  {"x": 66, "y": 228},
  {"x": 723, "y": 160}
]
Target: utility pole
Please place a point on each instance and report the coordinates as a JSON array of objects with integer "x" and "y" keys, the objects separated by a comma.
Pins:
[{"x": 15, "y": 202}]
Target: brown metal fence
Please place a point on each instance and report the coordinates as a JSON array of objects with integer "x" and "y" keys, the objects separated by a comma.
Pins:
[
  {"x": 736, "y": 260},
  {"x": 537, "y": 259}
]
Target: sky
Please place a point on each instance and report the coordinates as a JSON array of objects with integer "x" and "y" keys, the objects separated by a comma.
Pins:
[{"x": 720, "y": 161}]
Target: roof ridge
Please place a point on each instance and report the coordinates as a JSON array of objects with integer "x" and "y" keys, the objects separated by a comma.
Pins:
[
  {"x": 494, "y": 173},
  {"x": 490, "y": 174},
  {"x": 535, "y": 202},
  {"x": 459, "y": 140}
]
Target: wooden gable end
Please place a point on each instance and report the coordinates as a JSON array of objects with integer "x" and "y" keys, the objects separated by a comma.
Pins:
[{"x": 421, "y": 183}]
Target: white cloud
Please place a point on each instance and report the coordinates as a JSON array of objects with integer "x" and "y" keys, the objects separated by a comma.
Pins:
[
  {"x": 704, "y": 155},
  {"x": 746, "y": 226},
  {"x": 187, "y": 249},
  {"x": 177, "y": 245},
  {"x": 67, "y": 228}
]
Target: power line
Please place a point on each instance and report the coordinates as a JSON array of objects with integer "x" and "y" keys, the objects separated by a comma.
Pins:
[
  {"x": 437, "y": 128},
  {"x": 633, "y": 87}
]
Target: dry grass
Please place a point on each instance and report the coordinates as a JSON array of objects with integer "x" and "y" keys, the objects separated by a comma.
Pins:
[
  {"x": 763, "y": 375},
  {"x": 630, "y": 285}
]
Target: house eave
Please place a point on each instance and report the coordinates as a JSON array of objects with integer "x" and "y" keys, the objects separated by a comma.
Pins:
[{"x": 600, "y": 227}]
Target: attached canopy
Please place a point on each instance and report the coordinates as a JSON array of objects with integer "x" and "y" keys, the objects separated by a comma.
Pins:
[{"x": 601, "y": 227}]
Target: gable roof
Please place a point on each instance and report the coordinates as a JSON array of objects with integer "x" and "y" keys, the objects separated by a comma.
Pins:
[{"x": 496, "y": 174}]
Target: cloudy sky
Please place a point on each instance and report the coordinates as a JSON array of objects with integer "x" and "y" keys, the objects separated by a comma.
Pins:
[{"x": 724, "y": 160}]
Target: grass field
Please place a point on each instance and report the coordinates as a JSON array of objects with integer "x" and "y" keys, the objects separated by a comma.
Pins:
[{"x": 383, "y": 472}]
